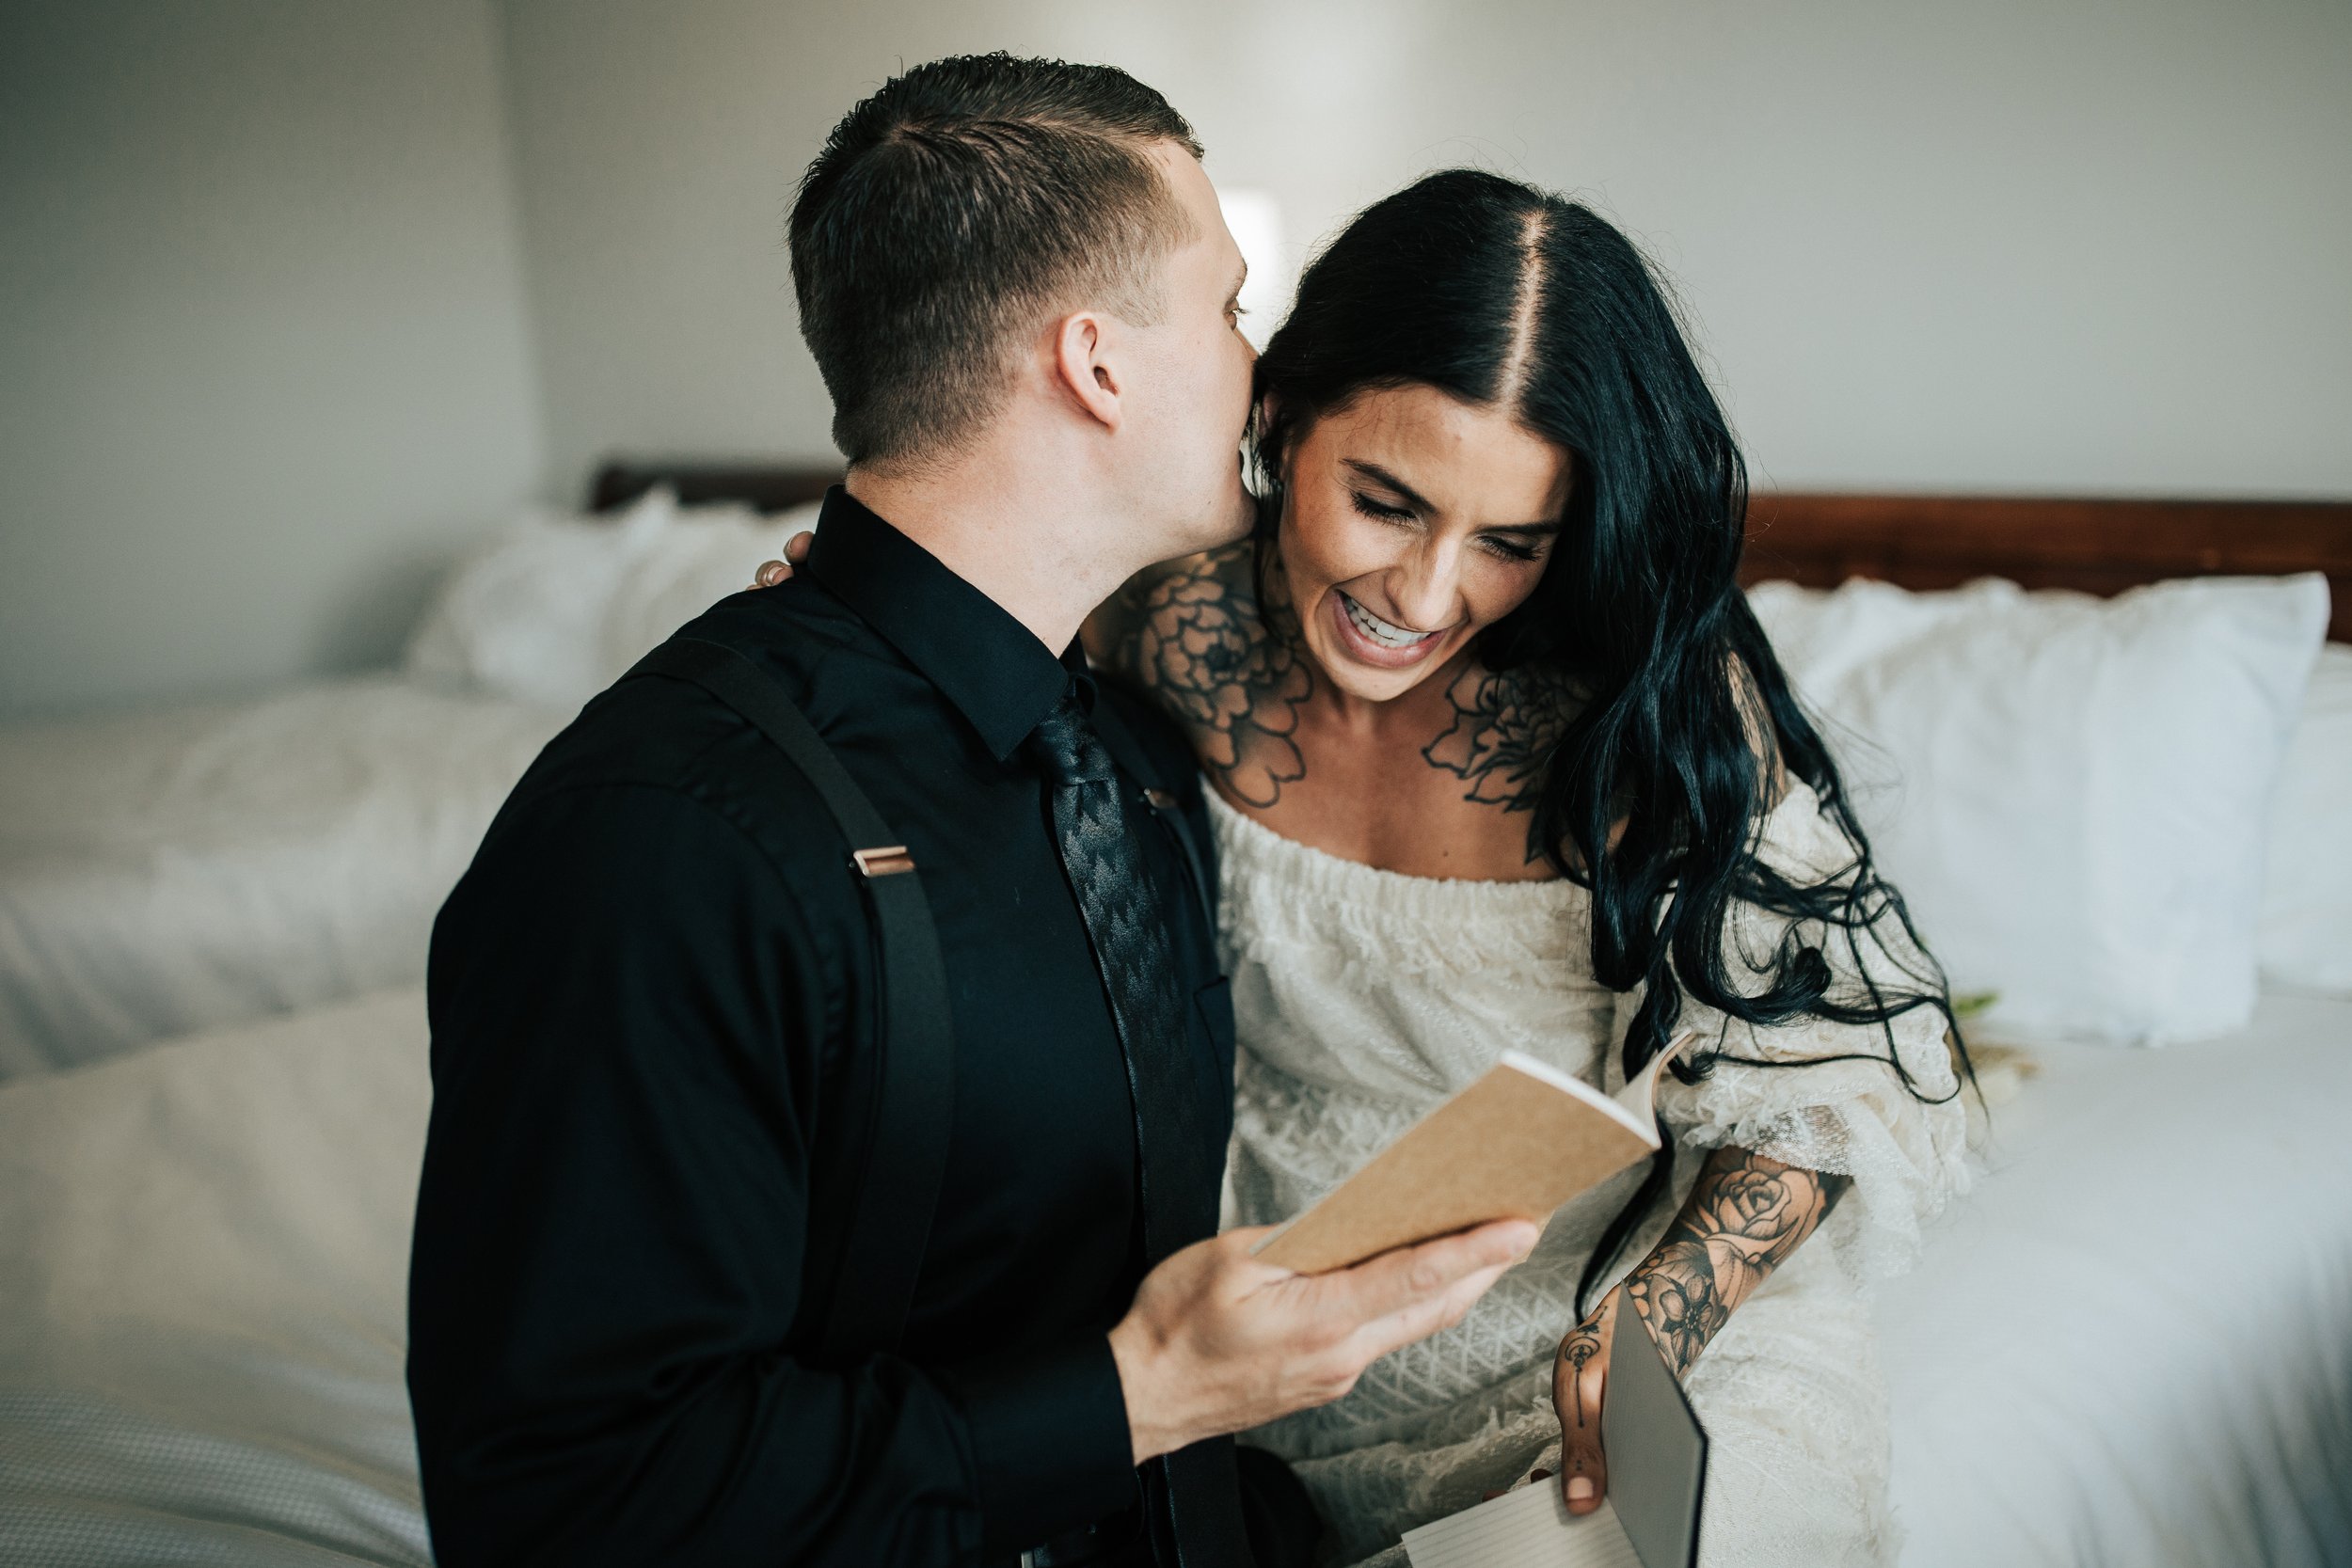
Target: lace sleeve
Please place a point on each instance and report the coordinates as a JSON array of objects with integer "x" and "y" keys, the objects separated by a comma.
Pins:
[{"x": 1906, "y": 1157}]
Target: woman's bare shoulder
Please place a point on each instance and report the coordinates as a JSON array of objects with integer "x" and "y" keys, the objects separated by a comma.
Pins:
[
  {"x": 1192, "y": 636},
  {"x": 1156, "y": 596}
]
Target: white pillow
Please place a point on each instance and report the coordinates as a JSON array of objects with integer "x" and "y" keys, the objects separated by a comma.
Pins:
[
  {"x": 706, "y": 554},
  {"x": 557, "y": 608},
  {"x": 524, "y": 616},
  {"x": 2070, "y": 792},
  {"x": 2306, "y": 930}
]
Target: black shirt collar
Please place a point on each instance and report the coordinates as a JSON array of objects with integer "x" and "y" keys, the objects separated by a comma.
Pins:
[{"x": 994, "y": 670}]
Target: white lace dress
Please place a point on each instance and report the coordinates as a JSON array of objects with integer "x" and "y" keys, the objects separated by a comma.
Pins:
[{"x": 1364, "y": 996}]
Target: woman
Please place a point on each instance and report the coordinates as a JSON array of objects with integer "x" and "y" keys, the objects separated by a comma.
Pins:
[{"x": 1502, "y": 761}]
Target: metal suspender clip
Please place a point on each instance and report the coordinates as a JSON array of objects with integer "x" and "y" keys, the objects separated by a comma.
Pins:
[
  {"x": 886, "y": 862},
  {"x": 1159, "y": 799}
]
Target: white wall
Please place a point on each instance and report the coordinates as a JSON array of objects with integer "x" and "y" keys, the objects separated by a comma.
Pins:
[
  {"x": 293, "y": 288},
  {"x": 2081, "y": 246},
  {"x": 263, "y": 356}
]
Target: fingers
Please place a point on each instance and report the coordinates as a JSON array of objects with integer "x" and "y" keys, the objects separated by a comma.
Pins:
[
  {"x": 1401, "y": 1280},
  {"x": 1583, "y": 1480},
  {"x": 1430, "y": 1315},
  {"x": 1583, "y": 1466},
  {"x": 1217, "y": 1270},
  {"x": 1322, "y": 1330},
  {"x": 1234, "y": 1247},
  {"x": 1580, "y": 1382},
  {"x": 770, "y": 573},
  {"x": 1241, "y": 1238}
]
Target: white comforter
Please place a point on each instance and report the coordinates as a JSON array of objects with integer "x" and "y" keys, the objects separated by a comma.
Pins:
[
  {"x": 166, "y": 872},
  {"x": 2132, "y": 1345},
  {"x": 203, "y": 1257}
]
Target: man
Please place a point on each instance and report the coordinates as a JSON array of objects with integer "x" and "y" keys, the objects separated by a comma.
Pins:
[{"x": 655, "y": 994}]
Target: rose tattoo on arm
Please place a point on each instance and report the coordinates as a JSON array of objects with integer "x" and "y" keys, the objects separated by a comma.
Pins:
[
  {"x": 1745, "y": 1216},
  {"x": 1743, "y": 1219}
]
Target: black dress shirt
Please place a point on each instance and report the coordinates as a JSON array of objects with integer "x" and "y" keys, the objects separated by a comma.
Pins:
[{"x": 647, "y": 995}]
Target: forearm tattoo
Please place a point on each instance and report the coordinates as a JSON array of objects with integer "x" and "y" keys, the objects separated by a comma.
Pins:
[
  {"x": 1195, "y": 636},
  {"x": 1743, "y": 1219}
]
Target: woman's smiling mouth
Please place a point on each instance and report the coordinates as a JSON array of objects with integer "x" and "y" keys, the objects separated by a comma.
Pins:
[{"x": 1376, "y": 640}]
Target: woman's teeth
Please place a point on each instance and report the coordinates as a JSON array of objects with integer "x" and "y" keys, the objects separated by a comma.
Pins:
[{"x": 1386, "y": 633}]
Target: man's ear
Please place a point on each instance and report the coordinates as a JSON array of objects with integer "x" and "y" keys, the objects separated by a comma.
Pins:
[{"x": 1083, "y": 366}]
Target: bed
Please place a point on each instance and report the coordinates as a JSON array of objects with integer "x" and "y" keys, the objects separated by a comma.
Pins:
[
  {"x": 165, "y": 872},
  {"x": 2106, "y": 1358},
  {"x": 170, "y": 871},
  {"x": 2132, "y": 1344}
]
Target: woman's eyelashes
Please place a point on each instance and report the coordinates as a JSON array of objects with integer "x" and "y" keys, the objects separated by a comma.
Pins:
[
  {"x": 1495, "y": 544},
  {"x": 1380, "y": 511}
]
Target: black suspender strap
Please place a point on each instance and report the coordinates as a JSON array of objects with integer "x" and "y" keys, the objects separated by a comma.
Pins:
[{"x": 906, "y": 1143}]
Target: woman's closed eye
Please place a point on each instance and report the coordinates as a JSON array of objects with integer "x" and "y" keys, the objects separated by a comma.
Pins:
[
  {"x": 1380, "y": 511},
  {"x": 1509, "y": 549},
  {"x": 1497, "y": 545}
]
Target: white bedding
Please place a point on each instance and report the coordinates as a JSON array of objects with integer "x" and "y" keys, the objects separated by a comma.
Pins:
[
  {"x": 203, "y": 1257},
  {"x": 2131, "y": 1345},
  {"x": 166, "y": 872}
]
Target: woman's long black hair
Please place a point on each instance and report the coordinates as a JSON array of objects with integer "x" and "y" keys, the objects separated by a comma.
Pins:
[{"x": 1655, "y": 792}]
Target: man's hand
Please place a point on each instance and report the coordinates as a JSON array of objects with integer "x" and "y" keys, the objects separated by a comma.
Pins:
[{"x": 1217, "y": 1342}]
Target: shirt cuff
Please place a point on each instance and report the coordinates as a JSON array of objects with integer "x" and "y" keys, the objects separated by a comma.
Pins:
[{"x": 1050, "y": 1442}]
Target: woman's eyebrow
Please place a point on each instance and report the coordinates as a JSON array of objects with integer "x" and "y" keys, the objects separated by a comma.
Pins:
[{"x": 1379, "y": 475}]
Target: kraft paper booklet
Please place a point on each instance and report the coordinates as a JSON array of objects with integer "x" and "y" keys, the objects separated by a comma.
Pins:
[
  {"x": 1657, "y": 1457},
  {"x": 1520, "y": 1141}
]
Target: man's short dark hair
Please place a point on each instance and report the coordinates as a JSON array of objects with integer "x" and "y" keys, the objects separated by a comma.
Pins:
[{"x": 951, "y": 214}]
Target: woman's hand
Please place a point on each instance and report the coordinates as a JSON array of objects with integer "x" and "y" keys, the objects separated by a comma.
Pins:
[
  {"x": 1579, "y": 1380},
  {"x": 770, "y": 573},
  {"x": 1744, "y": 1218}
]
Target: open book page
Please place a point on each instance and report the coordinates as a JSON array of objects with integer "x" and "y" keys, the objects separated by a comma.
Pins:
[
  {"x": 1520, "y": 1140},
  {"x": 1639, "y": 1098},
  {"x": 1531, "y": 1528},
  {"x": 1657, "y": 1453}
]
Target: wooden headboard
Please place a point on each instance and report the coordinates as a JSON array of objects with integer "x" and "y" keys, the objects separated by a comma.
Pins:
[
  {"x": 2096, "y": 546},
  {"x": 767, "y": 487}
]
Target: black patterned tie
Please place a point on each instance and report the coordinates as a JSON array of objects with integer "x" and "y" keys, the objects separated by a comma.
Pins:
[{"x": 1099, "y": 822}]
